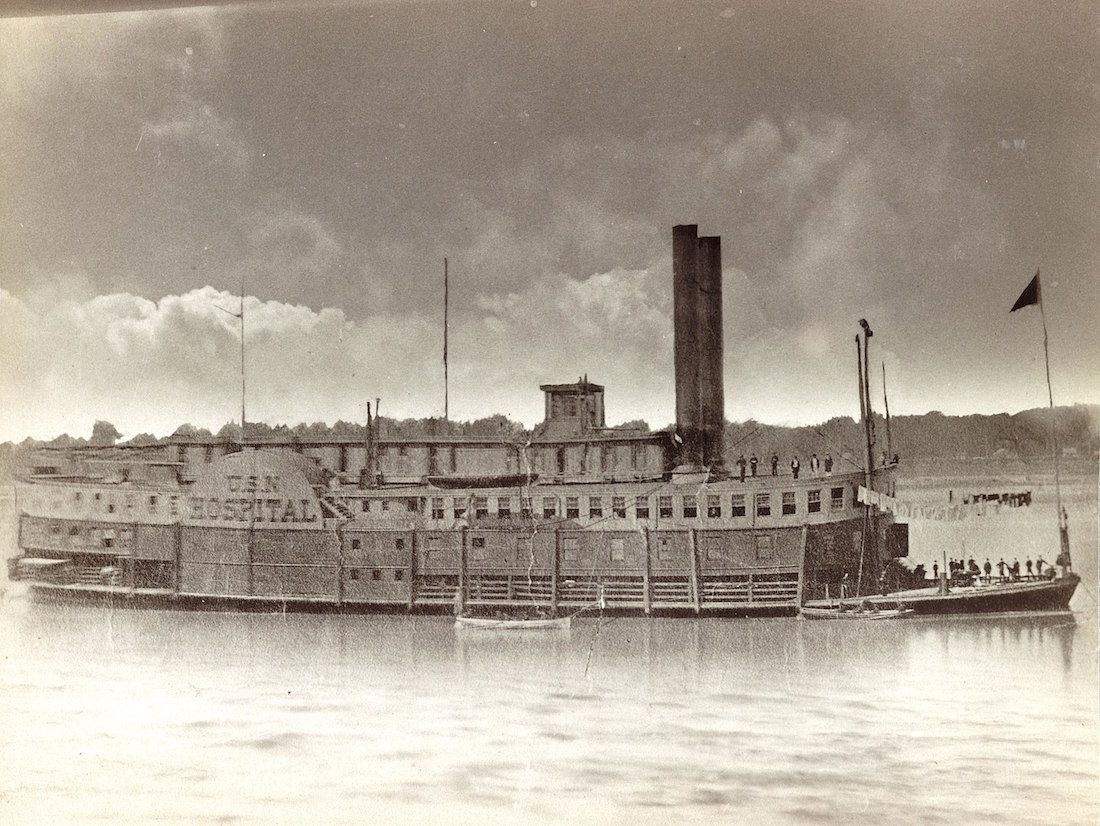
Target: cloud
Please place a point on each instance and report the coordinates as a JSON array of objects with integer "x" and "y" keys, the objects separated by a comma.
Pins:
[{"x": 150, "y": 365}]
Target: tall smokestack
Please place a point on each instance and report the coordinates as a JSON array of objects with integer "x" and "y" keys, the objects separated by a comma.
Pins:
[
  {"x": 712, "y": 408},
  {"x": 685, "y": 319}
]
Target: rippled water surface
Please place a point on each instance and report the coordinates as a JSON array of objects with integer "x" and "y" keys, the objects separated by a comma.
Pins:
[{"x": 124, "y": 716}]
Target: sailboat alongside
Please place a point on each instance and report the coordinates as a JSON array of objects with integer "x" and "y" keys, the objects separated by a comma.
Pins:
[{"x": 978, "y": 595}]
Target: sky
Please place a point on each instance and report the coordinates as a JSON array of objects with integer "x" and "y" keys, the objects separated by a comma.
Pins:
[{"x": 908, "y": 163}]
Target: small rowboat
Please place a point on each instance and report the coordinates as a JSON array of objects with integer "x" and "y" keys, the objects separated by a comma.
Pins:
[
  {"x": 512, "y": 624},
  {"x": 839, "y": 613}
]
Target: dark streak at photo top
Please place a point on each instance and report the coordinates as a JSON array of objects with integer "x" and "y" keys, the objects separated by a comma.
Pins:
[{"x": 579, "y": 513}]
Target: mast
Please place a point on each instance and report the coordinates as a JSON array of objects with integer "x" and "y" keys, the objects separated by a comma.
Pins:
[
  {"x": 1033, "y": 294},
  {"x": 1063, "y": 530},
  {"x": 886, "y": 405},
  {"x": 446, "y": 308},
  {"x": 241, "y": 316}
]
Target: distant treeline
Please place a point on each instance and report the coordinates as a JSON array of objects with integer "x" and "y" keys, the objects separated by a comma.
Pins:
[
  {"x": 930, "y": 435},
  {"x": 1023, "y": 435}
]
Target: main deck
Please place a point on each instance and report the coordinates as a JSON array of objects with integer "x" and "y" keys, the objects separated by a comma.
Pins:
[{"x": 255, "y": 531}]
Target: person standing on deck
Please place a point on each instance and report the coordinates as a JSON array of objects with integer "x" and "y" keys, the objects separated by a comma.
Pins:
[
  {"x": 775, "y": 465},
  {"x": 753, "y": 462},
  {"x": 828, "y": 464},
  {"x": 1029, "y": 566},
  {"x": 1039, "y": 566},
  {"x": 1015, "y": 569},
  {"x": 936, "y": 571},
  {"x": 814, "y": 465},
  {"x": 741, "y": 465},
  {"x": 794, "y": 467},
  {"x": 988, "y": 568},
  {"x": 1001, "y": 568}
]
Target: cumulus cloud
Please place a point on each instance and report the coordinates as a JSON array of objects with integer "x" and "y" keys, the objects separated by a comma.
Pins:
[{"x": 150, "y": 365}]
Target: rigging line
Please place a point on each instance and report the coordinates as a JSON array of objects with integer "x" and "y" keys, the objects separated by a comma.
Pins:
[{"x": 840, "y": 449}]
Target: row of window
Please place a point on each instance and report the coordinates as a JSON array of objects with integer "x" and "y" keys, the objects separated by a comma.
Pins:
[
  {"x": 570, "y": 549},
  {"x": 712, "y": 506},
  {"x": 111, "y": 506}
]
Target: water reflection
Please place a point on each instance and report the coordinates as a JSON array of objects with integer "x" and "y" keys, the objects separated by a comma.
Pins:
[{"x": 616, "y": 718}]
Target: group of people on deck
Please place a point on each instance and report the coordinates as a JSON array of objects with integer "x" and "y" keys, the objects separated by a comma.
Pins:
[
  {"x": 817, "y": 466},
  {"x": 958, "y": 569}
]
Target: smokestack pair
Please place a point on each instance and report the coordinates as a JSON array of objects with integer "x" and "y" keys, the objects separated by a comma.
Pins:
[{"x": 697, "y": 342}]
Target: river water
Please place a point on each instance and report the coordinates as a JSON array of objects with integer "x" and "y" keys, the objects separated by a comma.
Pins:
[{"x": 128, "y": 716}]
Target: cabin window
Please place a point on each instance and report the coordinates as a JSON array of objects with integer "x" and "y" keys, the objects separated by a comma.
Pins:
[
  {"x": 376, "y": 575},
  {"x": 437, "y": 508},
  {"x": 788, "y": 503},
  {"x": 618, "y": 507},
  {"x": 837, "y": 496},
  {"x": 549, "y": 507},
  {"x": 399, "y": 575},
  {"x": 665, "y": 549},
  {"x": 55, "y": 529},
  {"x": 97, "y": 497},
  {"x": 481, "y": 506},
  {"x": 714, "y": 506},
  {"x": 572, "y": 507},
  {"x": 641, "y": 507},
  {"x": 524, "y": 549},
  {"x": 343, "y": 465},
  {"x": 504, "y": 507},
  {"x": 365, "y": 505},
  {"x": 664, "y": 507},
  {"x": 412, "y": 505},
  {"x": 385, "y": 504},
  {"x": 454, "y": 460},
  {"x": 560, "y": 459},
  {"x": 460, "y": 508},
  {"x": 355, "y": 574},
  {"x": 433, "y": 543},
  {"x": 402, "y": 450},
  {"x": 813, "y": 501},
  {"x": 399, "y": 543},
  {"x": 74, "y": 531},
  {"x": 208, "y": 453},
  {"x": 763, "y": 504},
  {"x": 108, "y": 541},
  {"x": 618, "y": 549},
  {"x": 569, "y": 549},
  {"x": 691, "y": 507},
  {"x": 477, "y": 542},
  {"x": 595, "y": 507},
  {"x": 714, "y": 548},
  {"x": 111, "y": 507},
  {"x": 525, "y": 507},
  {"x": 356, "y": 544},
  {"x": 765, "y": 546},
  {"x": 76, "y": 496}
]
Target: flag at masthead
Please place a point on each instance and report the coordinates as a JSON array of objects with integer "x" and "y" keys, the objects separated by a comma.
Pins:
[{"x": 1032, "y": 294}]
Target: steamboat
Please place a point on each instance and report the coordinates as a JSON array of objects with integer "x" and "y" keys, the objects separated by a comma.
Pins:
[{"x": 644, "y": 522}]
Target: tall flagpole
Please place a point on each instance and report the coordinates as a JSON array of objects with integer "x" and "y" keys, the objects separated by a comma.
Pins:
[
  {"x": 1050, "y": 399},
  {"x": 446, "y": 309},
  {"x": 242, "y": 361}
]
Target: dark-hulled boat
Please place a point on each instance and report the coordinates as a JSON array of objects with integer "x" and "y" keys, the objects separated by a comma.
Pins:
[{"x": 1000, "y": 597}]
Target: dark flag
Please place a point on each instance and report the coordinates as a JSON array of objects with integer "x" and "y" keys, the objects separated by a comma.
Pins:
[{"x": 1032, "y": 294}]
